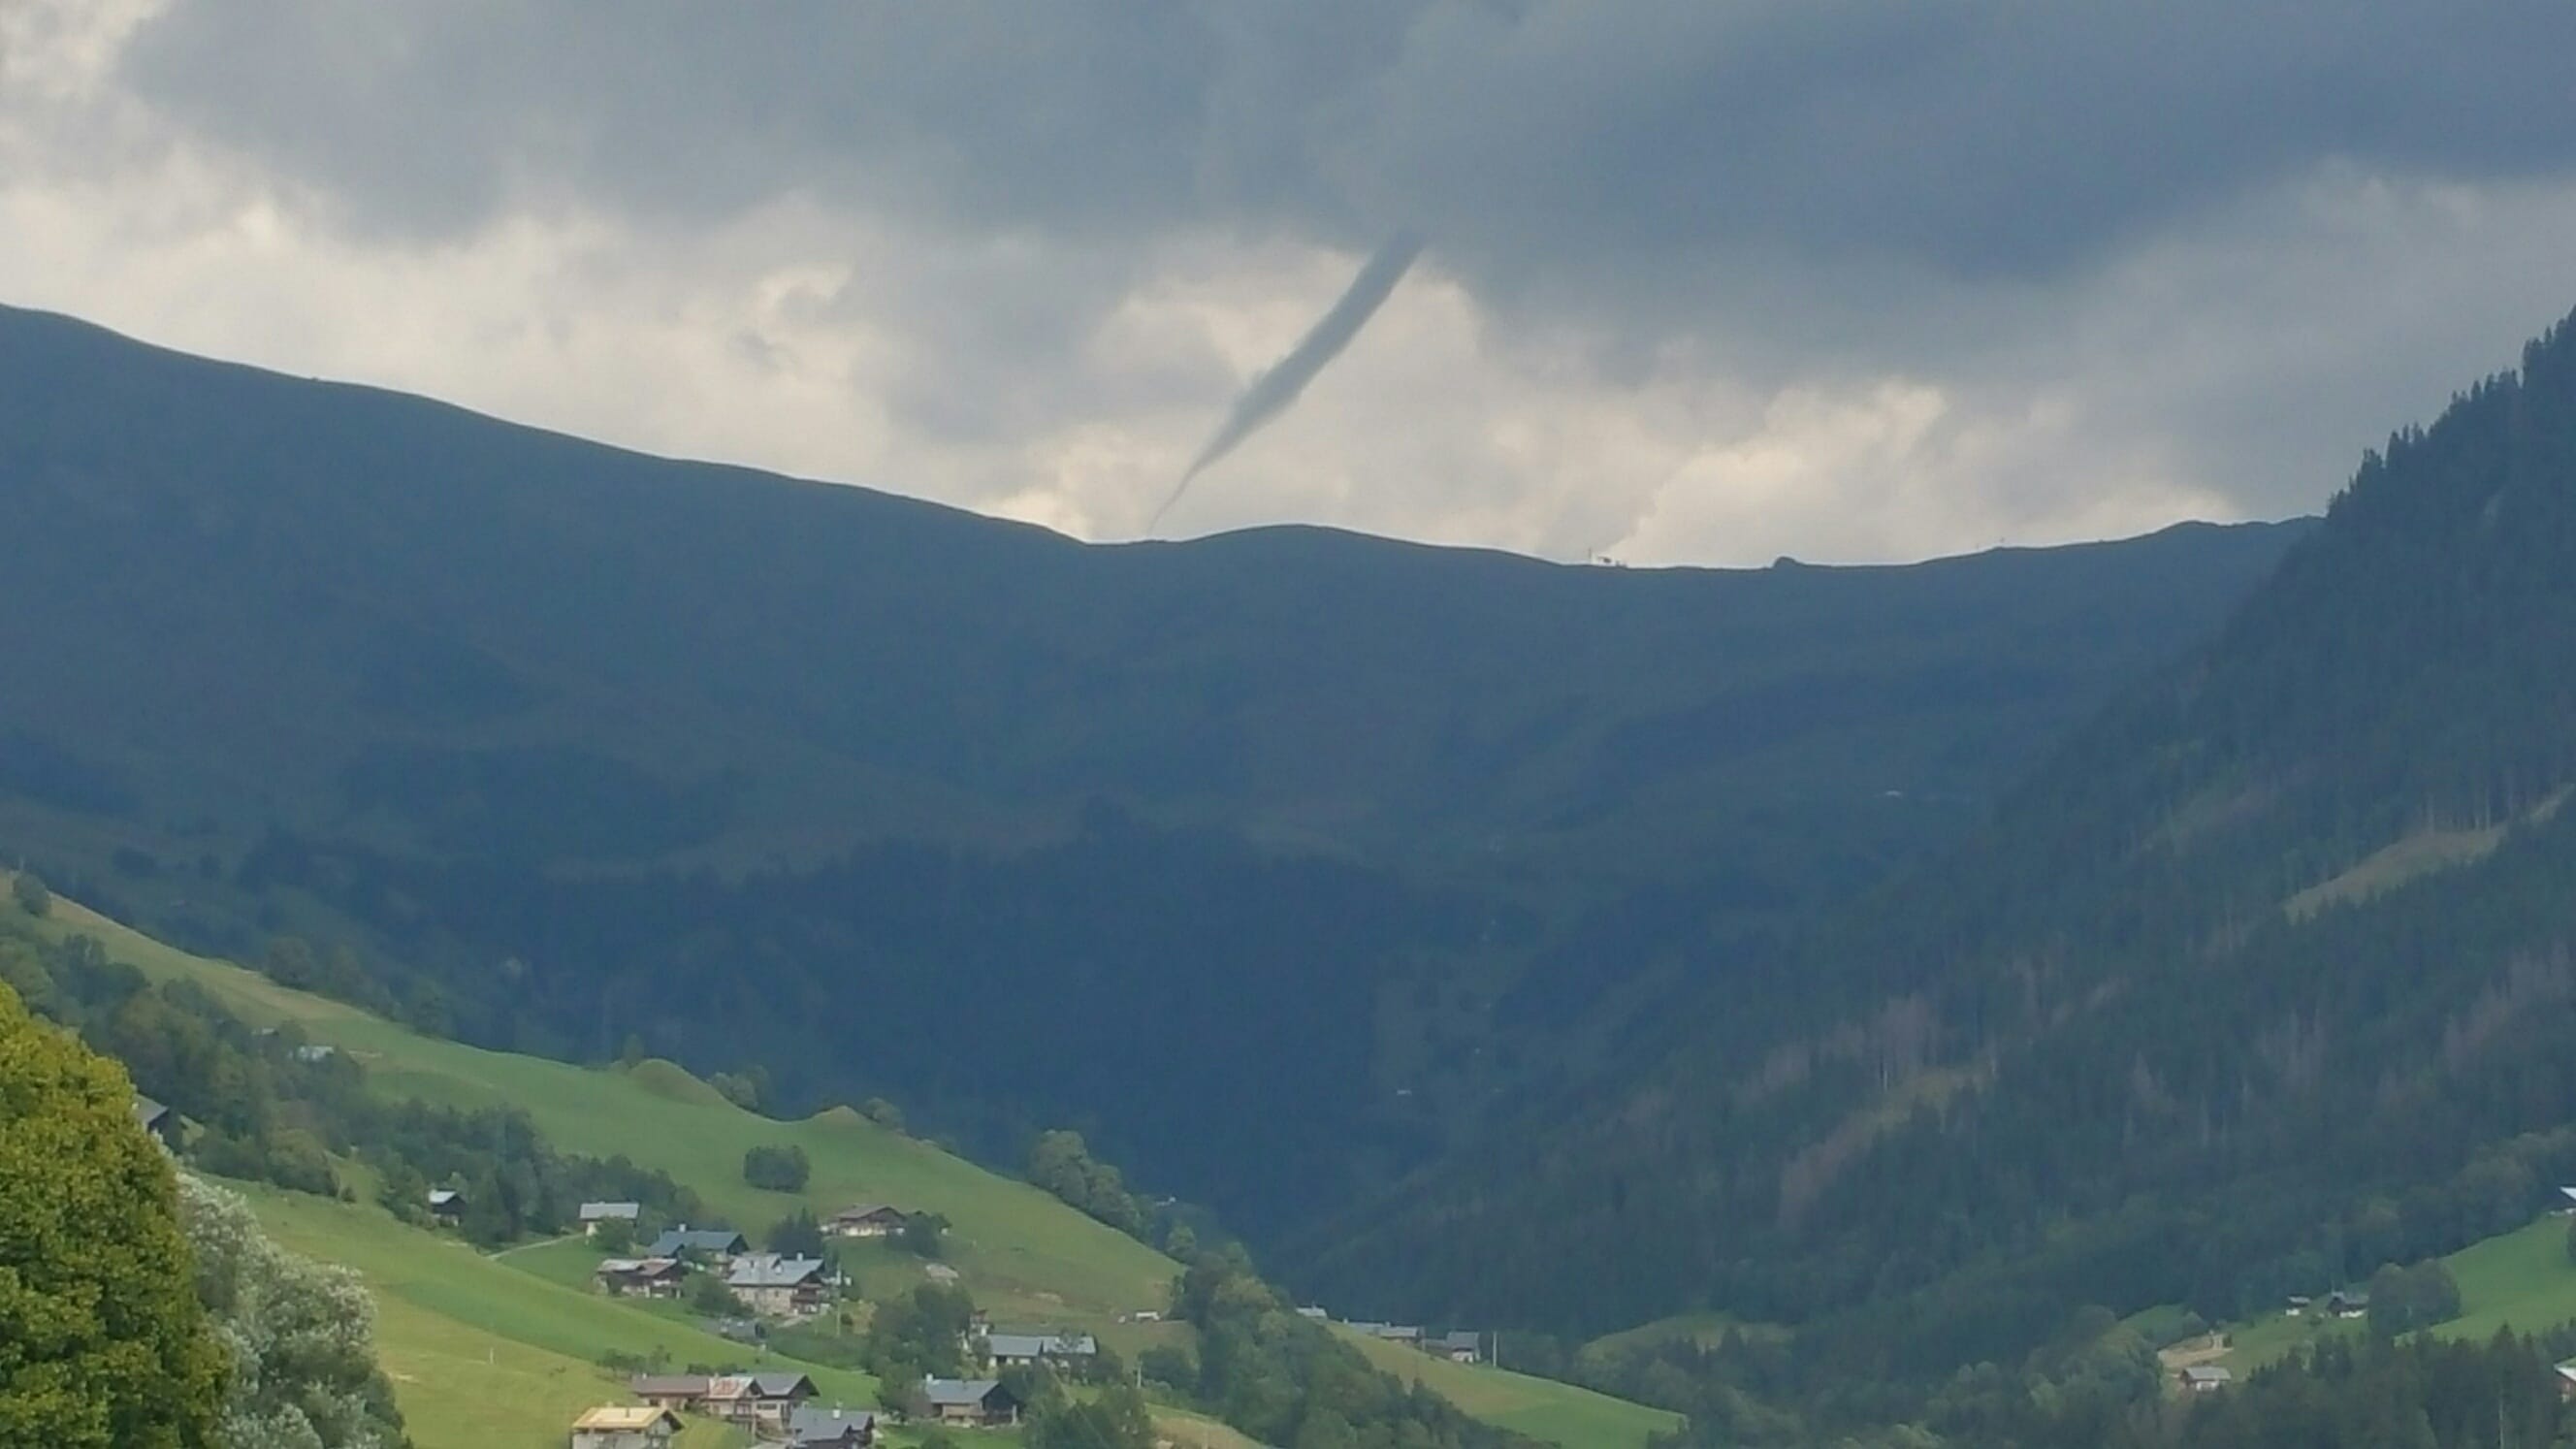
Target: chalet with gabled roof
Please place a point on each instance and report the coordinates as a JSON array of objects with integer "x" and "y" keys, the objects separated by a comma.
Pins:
[
  {"x": 641, "y": 1277},
  {"x": 979, "y": 1403},
  {"x": 717, "y": 1245},
  {"x": 867, "y": 1220},
  {"x": 810, "y": 1427},
  {"x": 1008, "y": 1349},
  {"x": 779, "y": 1287},
  {"x": 758, "y": 1402},
  {"x": 625, "y": 1426}
]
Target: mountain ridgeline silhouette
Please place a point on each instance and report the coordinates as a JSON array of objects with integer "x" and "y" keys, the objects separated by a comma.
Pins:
[{"x": 1279, "y": 862}]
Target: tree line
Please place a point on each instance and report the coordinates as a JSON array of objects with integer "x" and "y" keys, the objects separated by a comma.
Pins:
[{"x": 270, "y": 1106}]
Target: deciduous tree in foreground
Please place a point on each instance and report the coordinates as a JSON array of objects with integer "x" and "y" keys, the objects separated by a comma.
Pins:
[{"x": 102, "y": 1342}]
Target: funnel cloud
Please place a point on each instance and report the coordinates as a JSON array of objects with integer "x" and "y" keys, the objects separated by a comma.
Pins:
[{"x": 1275, "y": 389}]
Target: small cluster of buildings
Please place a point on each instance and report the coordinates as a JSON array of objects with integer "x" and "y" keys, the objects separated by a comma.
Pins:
[
  {"x": 2341, "y": 1303},
  {"x": 772, "y": 1407},
  {"x": 777, "y": 1408},
  {"x": 770, "y": 1285},
  {"x": 1463, "y": 1345}
]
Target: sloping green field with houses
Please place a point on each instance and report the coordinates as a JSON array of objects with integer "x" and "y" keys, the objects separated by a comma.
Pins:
[
  {"x": 2524, "y": 1280},
  {"x": 504, "y": 1349}
]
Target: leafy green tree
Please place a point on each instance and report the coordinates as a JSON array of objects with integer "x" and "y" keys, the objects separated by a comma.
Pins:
[
  {"x": 777, "y": 1169},
  {"x": 2402, "y": 1299},
  {"x": 709, "y": 1295},
  {"x": 883, "y": 1113},
  {"x": 798, "y": 1235},
  {"x": 300, "y": 1336},
  {"x": 747, "y": 1089},
  {"x": 899, "y": 1390},
  {"x": 1117, "y": 1419},
  {"x": 924, "y": 1235},
  {"x": 1169, "y": 1365},
  {"x": 29, "y": 891},
  {"x": 920, "y": 1332},
  {"x": 102, "y": 1345},
  {"x": 614, "y": 1236},
  {"x": 1061, "y": 1163}
]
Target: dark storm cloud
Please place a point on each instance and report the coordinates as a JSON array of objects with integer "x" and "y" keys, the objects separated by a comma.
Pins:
[
  {"x": 1969, "y": 139},
  {"x": 1990, "y": 198}
]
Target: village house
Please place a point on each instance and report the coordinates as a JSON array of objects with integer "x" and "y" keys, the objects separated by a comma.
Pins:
[
  {"x": 446, "y": 1204},
  {"x": 2205, "y": 1378},
  {"x": 592, "y": 1214},
  {"x": 2348, "y": 1303},
  {"x": 1459, "y": 1346},
  {"x": 2566, "y": 1379},
  {"x": 980, "y": 1403},
  {"x": 758, "y": 1402},
  {"x": 671, "y": 1391},
  {"x": 641, "y": 1277},
  {"x": 625, "y": 1426},
  {"x": 867, "y": 1220},
  {"x": 1009, "y": 1350},
  {"x": 777, "y": 1287},
  {"x": 717, "y": 1245},
  {"x": 1407, "y": 1334},
  {"x": 833, "y": 1428},
  {"x": 157, "y": 1119}
]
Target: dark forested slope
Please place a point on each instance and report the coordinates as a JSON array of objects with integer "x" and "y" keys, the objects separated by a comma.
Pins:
[
  {"x": 2265, "y": 979},
  {"x": 573, "y": 744}
]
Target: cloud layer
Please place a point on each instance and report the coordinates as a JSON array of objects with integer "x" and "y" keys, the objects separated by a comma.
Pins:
[{"x": 1706, "y": 283}]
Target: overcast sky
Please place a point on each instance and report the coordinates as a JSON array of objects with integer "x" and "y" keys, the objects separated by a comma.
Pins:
[{"x": 1704, "y": 282}]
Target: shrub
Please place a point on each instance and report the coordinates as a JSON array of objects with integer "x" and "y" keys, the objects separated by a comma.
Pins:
[{"x": 777, "y": 1169}]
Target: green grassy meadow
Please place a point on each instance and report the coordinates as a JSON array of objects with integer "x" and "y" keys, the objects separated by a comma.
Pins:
[
  {"x": 1022, "y": 1253},
  {"x": 502, "y": 1350},
  {"x": 2522, "y": 1280},
  {"x": 1541, "y": 1408}
]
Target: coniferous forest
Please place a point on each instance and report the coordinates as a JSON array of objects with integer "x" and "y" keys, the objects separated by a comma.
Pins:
[{"x": 2260, "y": 983}]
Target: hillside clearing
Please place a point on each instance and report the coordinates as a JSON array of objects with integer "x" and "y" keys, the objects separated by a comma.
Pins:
[{"x": 1541, "y": 1408}]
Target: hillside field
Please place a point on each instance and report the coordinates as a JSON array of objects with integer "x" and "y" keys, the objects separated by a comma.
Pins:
[
  {"x": 1541, "y": 1408},
  {"x": 503, "y": 1350},
  {"x": 2522, "y": 1280}
]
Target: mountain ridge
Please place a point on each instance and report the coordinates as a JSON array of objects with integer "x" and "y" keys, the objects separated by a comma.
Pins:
[{"x": 487, "y": 706}]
